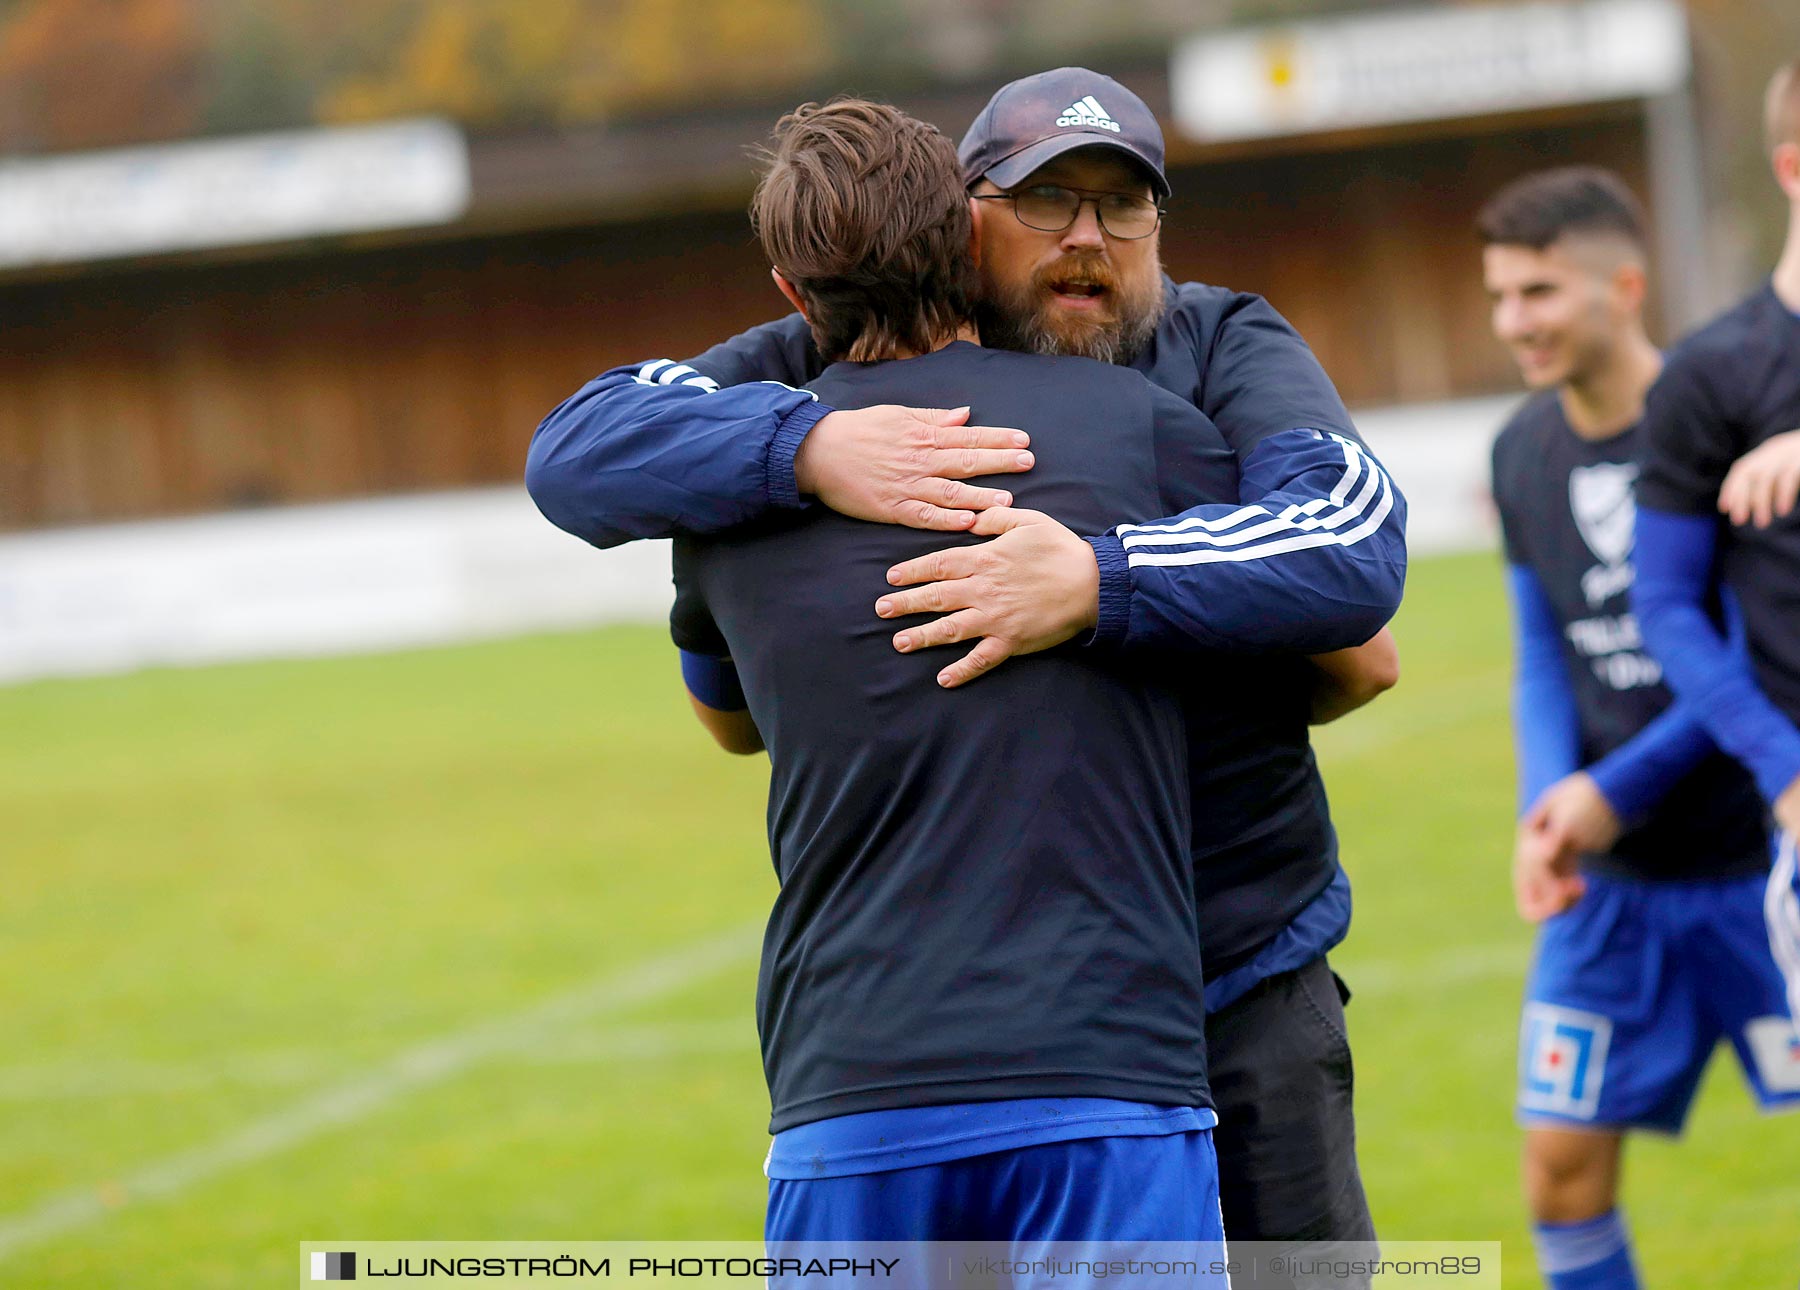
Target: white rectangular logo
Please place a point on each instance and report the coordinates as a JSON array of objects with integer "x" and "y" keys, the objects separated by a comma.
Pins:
[{"x": 1562, "y": 1060}]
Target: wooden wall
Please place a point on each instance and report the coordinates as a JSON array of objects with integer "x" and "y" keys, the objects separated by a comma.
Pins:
[
  {"x": 195, "y": 388},
  {"x": 1372, "y": 253},
  {"x": 182, "y": 389}
]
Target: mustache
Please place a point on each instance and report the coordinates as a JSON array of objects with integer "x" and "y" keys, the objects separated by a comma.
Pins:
[{"x": 1082, "y": 270}]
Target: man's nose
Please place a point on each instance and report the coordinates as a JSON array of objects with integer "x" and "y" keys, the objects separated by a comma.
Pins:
[{"x": 1085, "y": 234}]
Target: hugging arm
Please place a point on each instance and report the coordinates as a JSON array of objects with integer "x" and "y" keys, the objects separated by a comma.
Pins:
[
  {"x": 1347, "y": 679},
  {"x": 707, "y": 670},
  {"x": 718, "y": 702},
  {"x": 636, "y": 453}
]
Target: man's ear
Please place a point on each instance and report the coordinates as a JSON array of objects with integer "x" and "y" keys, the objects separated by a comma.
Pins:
[
  {"x": 975, "y": 214},
  {"x": 1631, "y": 285},
  {"x": 1785, "y": 161},
  {"x": 787, "y": 289}
]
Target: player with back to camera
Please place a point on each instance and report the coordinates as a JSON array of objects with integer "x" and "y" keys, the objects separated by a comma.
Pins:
[
  {"x": 1310, "y": 560},
  {"x": 980, "y": 994},
  {"x": 1640, "y": 847}
]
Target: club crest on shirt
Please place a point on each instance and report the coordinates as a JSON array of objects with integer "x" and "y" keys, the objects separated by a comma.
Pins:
[
  {"x": 1562, "y": 1060},
  {"x": 1605, "y": 509}
]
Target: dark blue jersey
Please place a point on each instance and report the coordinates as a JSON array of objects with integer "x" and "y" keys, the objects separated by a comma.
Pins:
[
  {"x": 986, "y": 892},
  {"x": 1726, "y": 389},
  {"x": 1263, "y": 842},
  {"x": 1566, "y": 514}
]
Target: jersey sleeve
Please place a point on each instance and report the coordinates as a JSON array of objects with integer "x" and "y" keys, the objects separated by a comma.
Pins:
[
  {"x": 1635, "y": 776},
  {"x": 661, "y": 448},
  {"x": 1690, "y": 439},
  {"x": 1259, "y": 378},
  {"x": 691, "y": 623},
  {"x": 706, "y": 666},
  {"x": 782, "y": 350},
  {"x": 1675, "y": 556},
  {"x": 1311, "y": 558},
  {"x": 1546, "y": 723}
]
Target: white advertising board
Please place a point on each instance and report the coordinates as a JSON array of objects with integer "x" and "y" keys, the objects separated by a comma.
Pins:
[
  {"x": 231, "y": 191},
  {"x": 400, "y": 572},
  {"x": 1424, "y": 64}
]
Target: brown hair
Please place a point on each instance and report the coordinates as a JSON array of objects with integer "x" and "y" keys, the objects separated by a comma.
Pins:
[
  {"x": 1538, "y": 209},
  {"x": 1781, "y": 107},
  {"x": 862, "y": 209}
]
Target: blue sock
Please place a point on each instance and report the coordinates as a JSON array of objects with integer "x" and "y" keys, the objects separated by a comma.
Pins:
[{"x": 1595, "y": 1255}]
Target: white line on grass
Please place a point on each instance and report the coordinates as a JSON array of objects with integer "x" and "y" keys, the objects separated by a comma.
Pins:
[
  {"x": 419, "y": 1067},
  {"x": 525, "y": 1035},
  {"x": 1435, "y": 972},
  {"x": 80, "y": 1079},
  {"x": 85, "y": 1080},
  {"x": 1439, "y": 707}
]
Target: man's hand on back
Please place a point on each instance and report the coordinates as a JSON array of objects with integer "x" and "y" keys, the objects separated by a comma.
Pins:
[
  {"x": 1763, "y": 485},
  {"x": 896, "y": 465},
  {"x": 1034, "y": 586}
]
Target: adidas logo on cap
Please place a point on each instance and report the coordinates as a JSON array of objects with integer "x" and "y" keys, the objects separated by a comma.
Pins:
[{"x": 1087, "y": 111}]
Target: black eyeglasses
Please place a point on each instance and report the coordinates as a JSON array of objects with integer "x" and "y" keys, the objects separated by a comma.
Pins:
[{"x": 1050, "y": 208}]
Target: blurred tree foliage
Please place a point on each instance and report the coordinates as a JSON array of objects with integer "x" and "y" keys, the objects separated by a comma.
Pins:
[
  {"x": 80, "y": 72},
  {"x": 564, "y": 60},
  {"x": 77, "y": 73},
  {"x": 83, "y": 73}
]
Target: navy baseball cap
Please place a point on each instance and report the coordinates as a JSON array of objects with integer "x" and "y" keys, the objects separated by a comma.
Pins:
[{"x": 1031, "y": 121}]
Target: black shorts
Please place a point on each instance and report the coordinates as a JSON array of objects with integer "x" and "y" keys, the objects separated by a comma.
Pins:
[{"x": 1279, "y": 1063}]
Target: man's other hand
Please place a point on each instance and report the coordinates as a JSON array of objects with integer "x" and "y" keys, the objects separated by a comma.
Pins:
[
  {"x": 896, "y": 465},
  {"x": 1545, "y": 878},
  {"x": 1570, "y": 819},
  {"x": 1762, "y": 485},
  {"x": 1034, "y": 586}
]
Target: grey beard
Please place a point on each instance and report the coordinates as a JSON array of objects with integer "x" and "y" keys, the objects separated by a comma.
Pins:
[{"x": 1120, "y": 344}]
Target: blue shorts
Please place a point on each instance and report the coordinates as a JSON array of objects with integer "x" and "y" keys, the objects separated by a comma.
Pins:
[
  {"x": 1151, "y": 1189},
  {"x": 1634, "y": 987}
]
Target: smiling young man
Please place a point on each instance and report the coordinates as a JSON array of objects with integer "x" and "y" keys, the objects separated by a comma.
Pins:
[
  {"x": 1309, "y": 559},
  {"x": 1640, "y": 847}
]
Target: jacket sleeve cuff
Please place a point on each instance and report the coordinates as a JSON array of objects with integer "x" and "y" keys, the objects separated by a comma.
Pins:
[
  {"x": 1115, "y": 592},
  {"x": 1616, "y": 785},
  {"x": 784, "y": 446},
  {"x": 1775, "y": 774}
]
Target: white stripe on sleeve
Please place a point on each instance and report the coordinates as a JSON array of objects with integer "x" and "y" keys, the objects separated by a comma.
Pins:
[
  {"x": 666, "y": 371},
  {"x": 1256, "y": 533}
]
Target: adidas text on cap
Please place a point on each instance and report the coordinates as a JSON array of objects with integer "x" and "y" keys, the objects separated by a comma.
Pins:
[{"x": 1032, "y": 121}]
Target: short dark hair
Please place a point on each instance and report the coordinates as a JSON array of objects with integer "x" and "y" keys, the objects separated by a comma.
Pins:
[
  {"x": 1539, "y": 208},
  {"x": 862, "y": 209}
]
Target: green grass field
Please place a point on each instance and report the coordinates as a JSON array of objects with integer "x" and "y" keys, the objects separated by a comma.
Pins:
[{"x": 459, "y": 945}]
